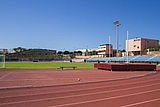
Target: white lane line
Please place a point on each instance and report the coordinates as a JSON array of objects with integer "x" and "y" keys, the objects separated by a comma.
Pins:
[
  {"x": 94, "y": 89},
  {"x": 15, "y": 87},
  {"x": 84, "y": 95},
  {"x": 122, "y": 77},
  {"x": 5, "y": 75},
  {"x": 106, "y": 98},
  {"x": 104, "y": 87},
  {"x": 134, "y": 104},
  {"x": 109, "y": 78}
]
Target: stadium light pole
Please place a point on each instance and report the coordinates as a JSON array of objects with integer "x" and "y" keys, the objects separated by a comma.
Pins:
[
  {"x": 4, "y": 64},
  {"x": 116, "y": 23},
  {"x": 127, "y": 46},
  {"x": 109, "y": 47}
]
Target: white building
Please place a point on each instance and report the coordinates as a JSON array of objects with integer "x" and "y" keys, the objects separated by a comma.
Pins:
[
  {"x": 103, "y": 50},
  {"x": 139, "y": 46},
  {"x": 85, "y": 51},
  {"x": 11, "y": 50},
  {"x": 4, "y": 51}
]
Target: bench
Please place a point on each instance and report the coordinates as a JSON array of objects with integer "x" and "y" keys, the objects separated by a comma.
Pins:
[{"x": 66, "y": 67}]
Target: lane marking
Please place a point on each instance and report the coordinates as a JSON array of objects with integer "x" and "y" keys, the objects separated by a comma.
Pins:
[
  {"x": 5, "y": 75},
  {"x": 15, "y": 87},
  {"x": 94, "y": 88},
  {"x": 84, "y": 95},
  {"x": 121, "y": 77},
  {"x": 134, "y": 104},
  {"x": 106, "y": 98}
]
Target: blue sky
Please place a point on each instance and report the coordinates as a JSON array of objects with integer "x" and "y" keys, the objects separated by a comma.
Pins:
[{"x": 75, "y": 24}]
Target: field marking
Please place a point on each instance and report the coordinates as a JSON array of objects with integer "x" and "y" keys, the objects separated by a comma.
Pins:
[
  {"x": 134, "y": 104},
  {"x": 88, "y": 94},
  {"x": 5, "y": 75},
  {"x": 106, "y": 98}
]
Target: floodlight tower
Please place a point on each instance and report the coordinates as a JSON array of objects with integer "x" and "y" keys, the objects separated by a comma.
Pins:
[
  {"x": 109, "y": 47},
  {"x": 127, "y": 46},
  {"x": 116, "y": 23}
]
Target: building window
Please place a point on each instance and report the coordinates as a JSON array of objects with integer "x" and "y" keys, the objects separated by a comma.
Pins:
[
  {"x": 134, "y": 45},
  {"x": 138, "y": 47}
]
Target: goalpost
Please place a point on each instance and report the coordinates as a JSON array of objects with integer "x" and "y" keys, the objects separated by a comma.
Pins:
[{"x": 2, "y": 61}]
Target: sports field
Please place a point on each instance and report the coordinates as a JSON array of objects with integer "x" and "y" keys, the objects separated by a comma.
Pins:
[{"x": 46, "y": 65}]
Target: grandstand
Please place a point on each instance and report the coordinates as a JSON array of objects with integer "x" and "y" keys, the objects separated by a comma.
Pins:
[{"x": 149, "y": 59}]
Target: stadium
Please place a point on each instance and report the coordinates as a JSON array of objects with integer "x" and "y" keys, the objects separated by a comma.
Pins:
[
  {"x": 88, "y": 78},
  {"x": 79, "y": 53},
  {"x": 44, "y": 84},
  {"x": 92, "y": 78}
]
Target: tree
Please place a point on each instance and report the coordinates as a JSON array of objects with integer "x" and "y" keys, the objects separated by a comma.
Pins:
[
  {"x": 19, "y": 49},
  {"x": 60, "y": 53},
  {"x": 94, "y": 53},
  {"x": 80, "y": 52},
  {"x": 66, "y": 52},
  {"x": 114, "y": 52},
  {"x": 33, "y": 54},
  {"x": 77, "y": 53},
  {"x": 123, "y": 50}
]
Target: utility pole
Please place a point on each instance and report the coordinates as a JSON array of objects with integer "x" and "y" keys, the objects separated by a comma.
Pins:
[{"x": 116, "y": 23}]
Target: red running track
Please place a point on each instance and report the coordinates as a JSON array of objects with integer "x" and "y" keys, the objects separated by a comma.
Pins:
[
  {"x": 47, "y": 77},
  {"x": 132, "y": 92}
]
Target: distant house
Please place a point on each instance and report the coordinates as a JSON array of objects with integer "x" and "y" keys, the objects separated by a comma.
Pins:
[
  {"x": 3, "y": 51},
  {"x": 85, "y": 52}
]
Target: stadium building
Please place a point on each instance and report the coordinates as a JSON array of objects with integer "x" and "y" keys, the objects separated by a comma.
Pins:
[
  {"x": 103, "y": 50},
  {"x": 139, "y": 46}
]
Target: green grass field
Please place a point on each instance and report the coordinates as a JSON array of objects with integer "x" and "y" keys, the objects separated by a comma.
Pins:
[{"x": 45, "y": 65}]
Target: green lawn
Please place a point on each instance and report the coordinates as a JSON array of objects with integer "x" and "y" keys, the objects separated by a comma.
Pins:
[{"x": 45, "y": 65}]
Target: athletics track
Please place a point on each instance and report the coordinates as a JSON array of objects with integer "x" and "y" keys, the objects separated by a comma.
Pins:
[{"x": 62, "y": 88}]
